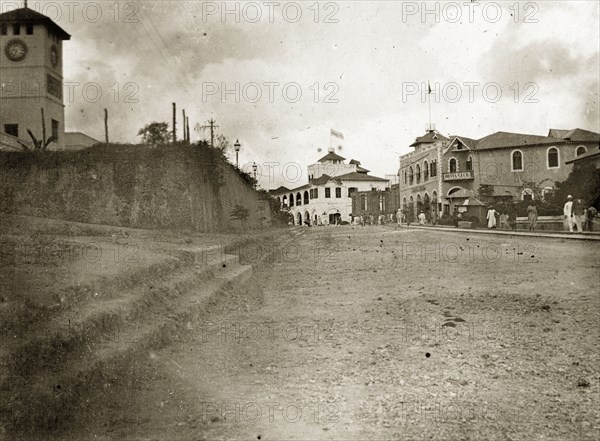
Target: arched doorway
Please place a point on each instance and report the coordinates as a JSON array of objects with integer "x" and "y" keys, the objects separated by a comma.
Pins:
[
  {"x": 307, "y": 218},
  {"x": 299, "y": 219}
]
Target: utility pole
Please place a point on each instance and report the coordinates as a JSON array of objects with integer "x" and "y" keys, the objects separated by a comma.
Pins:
[
  {"x": 174, "y": 123},
  {"x": 184, "y": 134},
  {"x": 212, "y": 126},
  {"x": 187, "y": 129},
  {"x": 106, "y": 125}
]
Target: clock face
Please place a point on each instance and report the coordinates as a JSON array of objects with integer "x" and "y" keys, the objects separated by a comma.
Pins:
[
  {"x": 54, "y": 56},
  {"x": 16, "y": 50}
]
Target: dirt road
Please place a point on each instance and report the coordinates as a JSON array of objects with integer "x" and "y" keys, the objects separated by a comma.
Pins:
[{"x": 355, "y": 334}]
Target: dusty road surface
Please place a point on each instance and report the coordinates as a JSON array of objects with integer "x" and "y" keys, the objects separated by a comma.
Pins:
[{"x": 377, "y": 334}]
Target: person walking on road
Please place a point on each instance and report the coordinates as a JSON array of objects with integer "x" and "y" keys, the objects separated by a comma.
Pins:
[
  {"x": 491, "y": 217},
  {"x": 532, "y": 216},
  {"x": 568, "y": 212},
  {"x": 422, "y": 218},
  {"x": 578, "y": 211}
]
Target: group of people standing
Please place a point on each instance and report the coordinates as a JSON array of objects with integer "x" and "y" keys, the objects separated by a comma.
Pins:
[{"x": 576, "y": 215}]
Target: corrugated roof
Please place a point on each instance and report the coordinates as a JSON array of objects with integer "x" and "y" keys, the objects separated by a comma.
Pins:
[{"x": 26, "y": 15}]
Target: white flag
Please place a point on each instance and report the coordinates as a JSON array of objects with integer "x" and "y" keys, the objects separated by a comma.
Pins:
[{"x": 337, "y": 134}]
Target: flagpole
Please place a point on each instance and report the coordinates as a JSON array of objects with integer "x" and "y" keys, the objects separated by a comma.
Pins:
[{"x": 429, "y": 100}]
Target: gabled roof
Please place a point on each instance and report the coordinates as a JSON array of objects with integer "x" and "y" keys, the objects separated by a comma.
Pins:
[
  {"x": 281, "y": 189},
  {"x": 467, "y": 142},
  {"x": 362, "y": 170},
  {"x": 331, "y": 156},
  {"x": 428, "y": 138},
  {"x": 354, "y": 161},
  {"x": 355, "y": 176},
  {"x": 575, "y": 135},
  {"x": 26, "y": 15},
  {"x": 507, "y": 139}
]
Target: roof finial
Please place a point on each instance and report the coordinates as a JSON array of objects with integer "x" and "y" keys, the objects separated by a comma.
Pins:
[{"x": 25, "y": 5}]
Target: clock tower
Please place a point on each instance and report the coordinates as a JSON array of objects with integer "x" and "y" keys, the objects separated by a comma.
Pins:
[{"x": 31, "y": 78}]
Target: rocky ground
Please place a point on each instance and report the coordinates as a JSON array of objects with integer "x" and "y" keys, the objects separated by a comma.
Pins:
[{"x": 375, "y": 333}]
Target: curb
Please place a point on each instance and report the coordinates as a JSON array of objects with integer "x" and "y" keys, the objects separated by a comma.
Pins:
[{"x": 550, "y": 235}]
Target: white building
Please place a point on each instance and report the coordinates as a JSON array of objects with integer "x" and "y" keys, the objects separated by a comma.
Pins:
[{"x": 326, "y": 199}]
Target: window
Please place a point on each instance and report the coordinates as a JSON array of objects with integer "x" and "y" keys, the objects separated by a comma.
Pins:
[
  {"x": 16, "y": 29},
  {"x": 316, "y": 193},
  {"x": 470, "y": 163},
  {"x": 3, "y": 29},
  {"x": 580, "y": 150},
  {"x": 351, "y": 190},
  {"x": 381, "y": 203},
  {"x": 433, "y": 168},
  {"x": 29, "y": 28},
  {"x": 547, "y": 192},
  {"x": 298, "y": 199},
  {"x": 553, "y": 157},
  {"x": 410, "y": 175},
  {"x": 327, "y": 192},
  {"x": 338, "y": 192},
  {"x": 527, "y": 194},
  {"x": 291, "y": 200},
  {"x": 55, "y": 130},
  {"x": 452, "y": 165},
  {"x": 425, "y": 171},
  {"x": 517, "y": 160},
  {"x": 306, "y": 198},
  {"x": 12, "y": 129},
  {"x": 364, "y": 202},
  {"x": 418, "y": 172}
]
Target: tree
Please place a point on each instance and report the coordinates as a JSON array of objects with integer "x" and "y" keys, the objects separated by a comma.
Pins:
[
  {"x": 240, "y": 213},
  {"x": 155, "y": 133},
  {"x": 583, "y": 182}
]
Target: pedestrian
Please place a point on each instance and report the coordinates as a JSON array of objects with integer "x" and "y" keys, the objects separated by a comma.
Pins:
[
  {"x": 578, "y": 211},
  {"x": 491, "y": 217},
  {"x": 422, "y": 218},
  {"x": 591, "y": 214},
  {"x": 568, "y": 212},
  {"x": 504, "y": 221},
  {"x": 532, "y": 216}
]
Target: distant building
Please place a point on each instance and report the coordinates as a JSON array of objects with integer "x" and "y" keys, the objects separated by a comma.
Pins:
[
  {"x": 442, "y": 173},
  {"x": 78, "y": 141},
  {"x": 327, "y": 198}
]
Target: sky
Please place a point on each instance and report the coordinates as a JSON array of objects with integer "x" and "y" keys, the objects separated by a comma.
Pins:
[{"x": 304, "y": 68}]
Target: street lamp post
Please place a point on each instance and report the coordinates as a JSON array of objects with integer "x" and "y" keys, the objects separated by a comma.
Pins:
[
  {"x": 237, "y": 146},
  {"x": 254, "y": 168}
]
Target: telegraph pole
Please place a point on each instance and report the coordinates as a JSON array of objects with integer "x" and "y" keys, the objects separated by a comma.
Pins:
[
  {"x": 212, "y": 125},
  {"x": 174, "y": 123}
]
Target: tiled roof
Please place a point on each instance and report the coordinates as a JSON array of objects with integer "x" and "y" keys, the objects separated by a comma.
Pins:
[
  {"x": 281, "y": 189},
  {"x": 323, "y": 179},
  {"x": 429, "y": 138},
  {"x": 331, "y": 156},
  {"x": 355, "y": 176},
  {"x": 26, "y": 15},
  {"x": 507, "y": 139},
  {"x": 575, "y": 135},
  {"x": 469, "y": 142}
]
